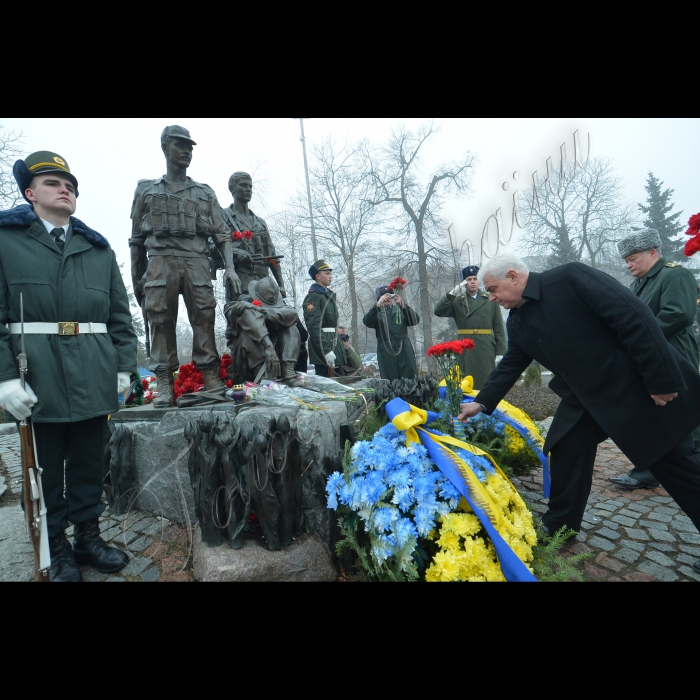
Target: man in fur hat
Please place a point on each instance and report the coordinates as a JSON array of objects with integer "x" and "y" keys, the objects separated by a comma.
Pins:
[
  {"x": 478, "y": 319},
  {"x": 81, "y": 353},
  {"x": 669, "y": 290}
]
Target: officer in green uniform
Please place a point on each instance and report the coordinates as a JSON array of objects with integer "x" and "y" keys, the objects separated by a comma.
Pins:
[
  {"x": 390, "y": 317},
  {"x": 81, "y": 353},
  {"x": 173, "y": 218},
  {"x": 478, "y": 319},
  {"x": 670, "y": 291},
  {"x": 326, "y": 351}
]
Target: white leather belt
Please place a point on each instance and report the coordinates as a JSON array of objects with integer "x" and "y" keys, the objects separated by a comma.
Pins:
[
  {"x": 328, "y": 330},
  {"x": 61, "y": 328}
]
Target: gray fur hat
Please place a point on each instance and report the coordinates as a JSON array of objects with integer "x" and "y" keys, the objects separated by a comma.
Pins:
[{"x": 644, "y": 239}]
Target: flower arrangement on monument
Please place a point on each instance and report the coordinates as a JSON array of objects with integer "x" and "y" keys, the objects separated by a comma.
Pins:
[
  {"x": 190, "y": 380},
  {"x": 244, "y": 236}
]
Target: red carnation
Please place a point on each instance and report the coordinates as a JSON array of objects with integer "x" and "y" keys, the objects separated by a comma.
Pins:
[
  {"x": 144, "y": 384},
  {"x": 398, "y": 284},
  {"x": 189, "y": 379},
  {"x": 256, "y": 302},
  {"x": 693, "y": 225},
  {"x": 236, "y": 235},
  {"x": 247, "y": 235},
  {"x": 692, "y": 246}
]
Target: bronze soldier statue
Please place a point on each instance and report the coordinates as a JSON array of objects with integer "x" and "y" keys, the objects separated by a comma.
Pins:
[
  {"x": 173, "y": 218},
  {"x": 253, "y": 250}
]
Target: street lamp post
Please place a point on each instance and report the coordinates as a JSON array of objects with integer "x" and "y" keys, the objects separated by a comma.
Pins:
[{"x": 308, "y": 187}]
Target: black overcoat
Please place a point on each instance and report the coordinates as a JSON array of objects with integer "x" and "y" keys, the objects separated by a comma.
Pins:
[{"x": 607, "y": 354}]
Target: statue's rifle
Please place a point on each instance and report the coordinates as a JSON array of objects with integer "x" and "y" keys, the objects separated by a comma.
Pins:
[
  {"x": 147, "y": 327},
  {"x": 34, "y": 507}
]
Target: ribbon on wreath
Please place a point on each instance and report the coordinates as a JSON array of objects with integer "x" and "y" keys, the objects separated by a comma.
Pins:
[
  {"x": 410, "y": 419},
  {"x": 516, "y": 419}
]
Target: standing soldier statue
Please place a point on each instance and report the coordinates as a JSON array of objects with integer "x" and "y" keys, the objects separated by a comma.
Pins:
[
  {"x": 254, "y": 252},
  {"x": 173, "y": 218},
  {"x": 480, "y": 320}
]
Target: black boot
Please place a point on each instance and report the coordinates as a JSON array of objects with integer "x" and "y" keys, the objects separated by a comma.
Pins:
[
  {"x": 90, "y": 549},
  {"x": 64, "y": 567}
]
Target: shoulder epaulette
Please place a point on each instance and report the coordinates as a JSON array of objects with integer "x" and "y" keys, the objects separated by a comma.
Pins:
[{"x": 672, "y": 264}]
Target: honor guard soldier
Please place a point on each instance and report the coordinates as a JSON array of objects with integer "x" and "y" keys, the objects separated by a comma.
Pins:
[
  {"x": 80, "y": 348},
  {"x": 670, "y": 291},
  {"x": 480, "y": 320},
  {"x": 173, "y": 218},
  {"x": 390, "y": 317},
  {"x": 326, "y": 349}
]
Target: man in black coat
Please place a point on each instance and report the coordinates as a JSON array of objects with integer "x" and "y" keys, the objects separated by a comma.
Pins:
[{"x": 615, "y": 372}]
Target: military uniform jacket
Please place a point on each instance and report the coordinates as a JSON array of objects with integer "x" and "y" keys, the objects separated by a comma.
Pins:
[
  {"x": 395, "y": 355},
  {"x": 670, "y": 291},
  {"x": 321, "y": 311},
  {"x": 74, "y": 377},
  {"x": 176, "y": 219},
  {"x": 607, "y": 353},
  {"x": 476, "y": 313}
]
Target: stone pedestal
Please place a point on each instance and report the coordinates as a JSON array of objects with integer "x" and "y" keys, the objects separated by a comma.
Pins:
[{"x": 307, "y": 559}]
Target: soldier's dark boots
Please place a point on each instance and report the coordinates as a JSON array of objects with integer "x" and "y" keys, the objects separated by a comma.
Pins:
[
  {"x": 288, "y": 372},
  {"x": 90, "y": 549},
  {"x": 165, "y": 389},
  {"x": 212, "y": 381},
  {"x": 64, "y": 566}
]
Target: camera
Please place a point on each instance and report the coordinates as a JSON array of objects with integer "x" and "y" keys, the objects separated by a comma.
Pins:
[
  {"x": 345, "y": 337},
  {"x": 392, "y": 294}
]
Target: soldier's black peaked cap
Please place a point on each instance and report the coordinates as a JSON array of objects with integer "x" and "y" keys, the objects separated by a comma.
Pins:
[{"x": 319, "y": 266}]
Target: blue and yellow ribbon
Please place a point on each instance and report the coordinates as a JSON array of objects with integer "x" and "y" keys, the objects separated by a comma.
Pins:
[
  {"x": 516, "y": 419},
  {"x": 410, "y": 419}
]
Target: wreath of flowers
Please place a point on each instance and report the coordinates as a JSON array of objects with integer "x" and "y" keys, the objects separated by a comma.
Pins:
[
  {"x": 398, "y": 285},
  {"x": 692, "y": 245},
  {"x": 190, "y": 379}
]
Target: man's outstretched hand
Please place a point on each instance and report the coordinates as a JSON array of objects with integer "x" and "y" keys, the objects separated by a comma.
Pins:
[{"x": 469, "y": 410}]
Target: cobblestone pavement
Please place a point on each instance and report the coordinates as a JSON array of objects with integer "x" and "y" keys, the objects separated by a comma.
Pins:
[
  {"x": 638, "y": 535},
  {"x": 159, "y": 550}
]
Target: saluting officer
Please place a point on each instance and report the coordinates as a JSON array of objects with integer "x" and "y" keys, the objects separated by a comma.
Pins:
[
  {"x": 670, "y": 291},
  {"x": 326, "y": 349},
  {"x": 480, "y": 320},
  {"x": 173, "y": 217},
  {"x": 81, "y": 353}
]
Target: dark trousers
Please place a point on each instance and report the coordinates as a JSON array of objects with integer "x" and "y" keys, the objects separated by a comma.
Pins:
[
  {"x": 571, "y": 470},
  {"x": 321, "y": 370},
  {"x": 71, "y": 458}
]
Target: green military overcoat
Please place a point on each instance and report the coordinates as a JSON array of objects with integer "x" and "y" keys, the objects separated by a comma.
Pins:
[
  {"x": 395, "y": 355},
  {"x": 321, "y": 311},
  {"x": 670, "y": 291},
  {"x": 73, "y": 376},
  {"x": 472, "y": 314}
]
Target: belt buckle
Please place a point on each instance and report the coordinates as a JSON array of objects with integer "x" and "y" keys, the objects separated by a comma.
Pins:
[{"x": 68, "y": 328}]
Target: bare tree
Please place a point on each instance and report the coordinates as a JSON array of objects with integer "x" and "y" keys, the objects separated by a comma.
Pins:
[
  {"x": 10, "y": 151},
  {"x": 346, "y": 222},
  {"x": 395, "y": 173},
  {"x": 576, "y": 214}
]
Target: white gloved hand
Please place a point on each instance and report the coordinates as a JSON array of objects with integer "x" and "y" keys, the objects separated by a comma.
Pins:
[
  {"x": 330, "y": 358},
  {"x": 458, "y": 289},
  {"x": 498, "y": 358},
  {"x": 15, "y": 399},
  {"x": 123, "y": 381}
]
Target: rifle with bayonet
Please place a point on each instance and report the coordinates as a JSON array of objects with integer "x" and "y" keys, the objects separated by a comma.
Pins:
[{"x": 34, "y": 508}]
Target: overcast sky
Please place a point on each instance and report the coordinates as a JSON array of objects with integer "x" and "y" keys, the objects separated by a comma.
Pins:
[{"x": 109, "y": 156}]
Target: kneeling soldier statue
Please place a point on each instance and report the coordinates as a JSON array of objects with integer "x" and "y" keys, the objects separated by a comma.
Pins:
[{"x": 80, "y": 349}]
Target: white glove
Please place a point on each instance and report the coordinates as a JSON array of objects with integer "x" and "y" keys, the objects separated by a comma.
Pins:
[
  {"x": 498, "y": 358},
  {"x": 123, "y": 381},
  {"x": 15, "y": 399},
  {"x": 330, "y": 358},
  {"x": 458, "y": 289}
]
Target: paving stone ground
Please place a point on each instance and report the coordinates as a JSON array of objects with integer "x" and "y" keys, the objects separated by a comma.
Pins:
[
  {"x": 159, "y": 550},
  {"x": 639, "y": 535}
]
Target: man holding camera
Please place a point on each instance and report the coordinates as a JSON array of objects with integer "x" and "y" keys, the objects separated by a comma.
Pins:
[
  {"x": 354, "y": 361},
  {"x": 390, "y": 317}
]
